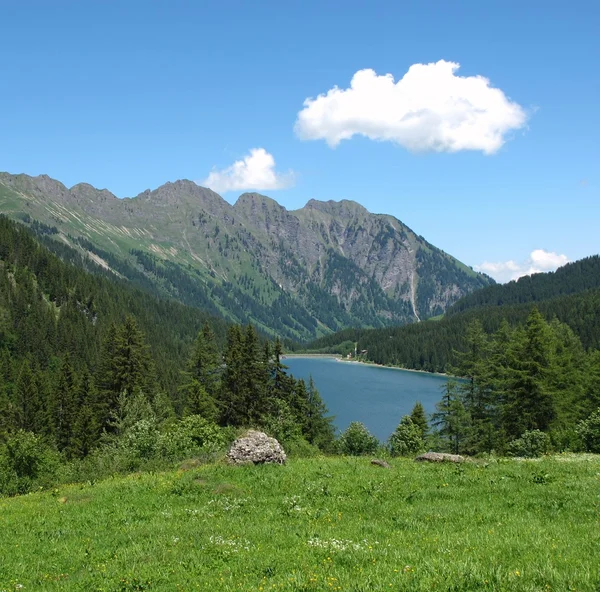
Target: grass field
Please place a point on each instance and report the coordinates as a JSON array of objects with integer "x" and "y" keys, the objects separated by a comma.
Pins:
[{"x": 315, "y": 524}]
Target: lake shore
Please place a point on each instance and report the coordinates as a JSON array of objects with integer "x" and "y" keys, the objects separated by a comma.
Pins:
[
  {"x": 335, "y": 356},
  {"x": 339, "y": 358}
]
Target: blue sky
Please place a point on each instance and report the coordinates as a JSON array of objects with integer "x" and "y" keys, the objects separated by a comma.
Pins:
[{"x": 128, "y": 95}]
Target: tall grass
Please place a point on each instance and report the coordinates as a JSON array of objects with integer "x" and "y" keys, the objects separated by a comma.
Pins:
[{"x": 314, "y": 524}]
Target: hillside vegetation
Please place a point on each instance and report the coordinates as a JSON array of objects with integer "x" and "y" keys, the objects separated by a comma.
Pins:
[
  {"x": 293, "y": 274},
  {"x": 313, "y": 525},
  {"x": 571, "y": 295}
]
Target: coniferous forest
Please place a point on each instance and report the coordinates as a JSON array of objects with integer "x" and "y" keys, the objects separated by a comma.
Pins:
[
  {"x": 88, "y": 363},
  {"x": 98, "y": 376}
]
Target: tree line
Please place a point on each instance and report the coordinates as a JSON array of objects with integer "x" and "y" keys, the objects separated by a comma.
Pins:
[{"x": 532, "y": 385}]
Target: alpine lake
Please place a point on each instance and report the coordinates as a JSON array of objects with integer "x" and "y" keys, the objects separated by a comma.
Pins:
[{"x": 374, "y": 395}]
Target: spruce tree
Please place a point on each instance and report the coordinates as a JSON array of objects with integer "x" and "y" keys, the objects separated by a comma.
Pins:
[
  {"x": 233, "y": 406},
  {"x": 419, "y": 419},
  {"x": 86, "y": 429},
  {"x": 201, "y": 377},
  {"x": 26, "y": 400},
  {"x": 254, "y": 377},
  {"x": 63, "y": 406},
  {"x": 452, "y": 420},
  {"x": 317, "y": 423},
  {"x": 530, "y": 404}
]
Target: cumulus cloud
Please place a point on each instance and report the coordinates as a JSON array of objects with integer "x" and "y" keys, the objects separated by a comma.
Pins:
[
  {"x": 430, "y": 109},
  {"x": 538, "y": 261},
  {"x": 255, "y": 171}
]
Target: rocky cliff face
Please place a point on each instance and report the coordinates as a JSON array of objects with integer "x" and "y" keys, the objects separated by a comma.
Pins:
[{"x": 298, "y": 273}]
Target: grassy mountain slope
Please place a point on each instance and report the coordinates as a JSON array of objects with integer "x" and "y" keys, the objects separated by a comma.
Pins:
[{"x": 298, "y": 274}]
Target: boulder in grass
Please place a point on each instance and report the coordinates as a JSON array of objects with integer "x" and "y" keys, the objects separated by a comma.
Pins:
[
  {"x": 440, "y": 457},
  {"x": 256, "y": 448},
  {"x": 381, "y": 463}
]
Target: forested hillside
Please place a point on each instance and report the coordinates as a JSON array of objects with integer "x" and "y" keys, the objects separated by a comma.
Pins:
[
  {"x": 50, "y": 308},
  {"x": 83, "y": 359},
  {"x": 431, "y": 345},
  {"x": 572, "y": 278}
]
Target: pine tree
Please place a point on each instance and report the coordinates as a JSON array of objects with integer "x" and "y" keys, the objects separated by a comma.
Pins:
[
  {"x": 63, "y": 406},
  {"x": 86, "y": 429},
  {"x": 254, "y": 377},
  {"x": 317, "y": 423},
  {"x": 407, "y": 438},
  {"x": 8, "y": 419},
  {"x": 201, "y": 378},
  {"x": 452, "y": 420},
  {"x": 26, "y": 399},
  {"x": 132, "y": 365},
  {"x": 419, "y": 419},
  {"x": 105, "y": 376},
  {"x": 125, "y": 367},
  {"x": 530, "y": 404},
  {"x": 233, "y": 409}
]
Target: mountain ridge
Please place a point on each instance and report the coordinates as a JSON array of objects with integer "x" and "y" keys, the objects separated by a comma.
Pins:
[{"x": 321, "y": 267}]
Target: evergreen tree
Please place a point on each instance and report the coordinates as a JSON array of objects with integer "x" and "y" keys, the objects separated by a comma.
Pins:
[
  {"x": 254, "y": 378},
  {"x": 317, "y": 424},
  {"x": 233, "y": 406},
  {"x": 201, "y": 378},
  {"x": 86, "y": 429},
  {"x": 530, "y": 404},
  {"x": 407, "y": 438},
  {"x": 125, "y": 367},
  {"x": 419, "y": 419},
  {"x": 105, "y": 377},
  {"x": 63, "y": 406},
  {"x": 26, "y": 400},
  {"x": 8, "y": 419},
  {"x": 132, "y": 364},
  {"x": 452, "y": 420}
]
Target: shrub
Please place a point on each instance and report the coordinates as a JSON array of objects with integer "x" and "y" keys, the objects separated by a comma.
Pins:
[
  {"x": 589, "y": 432},
  {"x": 531, "y": 444},
  {"x": 300, "y": 448},
  {"x": 141, "y": 440},
  {"x": 407, "y": 438},
  {"x": 26, "y": 461},
  {"x": 192, "y": 434},
  {"x": 357, "y": 440}
]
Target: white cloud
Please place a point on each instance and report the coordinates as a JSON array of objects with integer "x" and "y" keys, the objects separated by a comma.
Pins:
[
  {"x": 255, "y": 171},
  {"x": 537, "y": 262},
  {"x": 429, "y": 110}
]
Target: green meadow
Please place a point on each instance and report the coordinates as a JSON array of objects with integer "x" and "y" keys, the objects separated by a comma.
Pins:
[{"x": 314, "y": 524}]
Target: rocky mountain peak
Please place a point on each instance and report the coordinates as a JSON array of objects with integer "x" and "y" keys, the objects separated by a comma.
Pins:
[
  {"x": 181, "y": 192},
  {"x": 85, "y": 191},
  {"x": 251, "y": 201},
  {"x": 341, "y": 210},
  {"x": 328, "y": 265}
]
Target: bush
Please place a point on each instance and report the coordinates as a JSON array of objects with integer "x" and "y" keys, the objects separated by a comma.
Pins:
[
  {"x": 26, "y": 462},
  {"x": 531, "y": 444},
  {"x": 357, "y": 440},
  {"x": 588, "y": 431},
  {"x": 192, "y": 434},
  {"x": 407, "y": 438},
  {"x": 141, "y": 440},
  {"x": 300, "y": 448}
]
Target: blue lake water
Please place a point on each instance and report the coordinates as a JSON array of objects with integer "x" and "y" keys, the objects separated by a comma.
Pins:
[{"x": 378, "y": 397}]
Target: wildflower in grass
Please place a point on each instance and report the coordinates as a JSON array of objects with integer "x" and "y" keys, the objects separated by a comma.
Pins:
[
  {"x": 231, "y": 545},
  {"x": 340, "y": 544}
]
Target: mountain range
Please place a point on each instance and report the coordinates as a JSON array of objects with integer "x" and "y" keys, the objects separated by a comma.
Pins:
[{"x": 299, "y": 274}]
